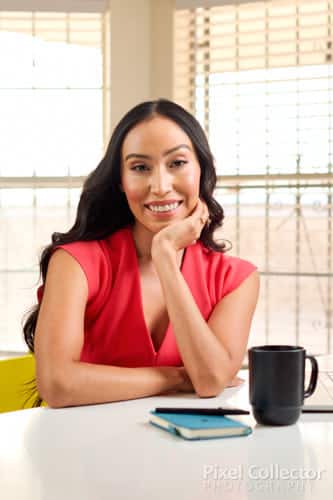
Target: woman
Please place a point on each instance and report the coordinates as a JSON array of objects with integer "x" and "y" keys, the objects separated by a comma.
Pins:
[{"x": 137, "y": 298}]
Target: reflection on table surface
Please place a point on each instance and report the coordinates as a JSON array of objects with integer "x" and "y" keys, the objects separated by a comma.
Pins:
[{"x": 111, "y": 452}]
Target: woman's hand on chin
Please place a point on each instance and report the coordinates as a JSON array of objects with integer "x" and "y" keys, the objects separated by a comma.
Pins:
[{"x": 182, "y": 233}]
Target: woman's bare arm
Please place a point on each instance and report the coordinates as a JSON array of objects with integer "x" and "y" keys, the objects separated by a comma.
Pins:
[
  {"x": 62, "y": 379},
  {"x": 212, "y": 351}
]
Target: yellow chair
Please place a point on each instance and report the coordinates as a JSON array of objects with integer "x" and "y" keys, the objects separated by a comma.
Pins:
[{"x": 17, "y": 388}]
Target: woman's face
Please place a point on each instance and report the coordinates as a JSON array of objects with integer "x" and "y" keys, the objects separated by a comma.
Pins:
[{"x": 160, "y": 173}]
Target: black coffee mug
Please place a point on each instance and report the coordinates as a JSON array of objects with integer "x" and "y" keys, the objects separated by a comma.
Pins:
[{"x": 277, "y": 383}]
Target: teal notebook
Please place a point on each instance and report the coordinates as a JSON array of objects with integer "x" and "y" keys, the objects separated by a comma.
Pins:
[{"x": 199, "y": 426}]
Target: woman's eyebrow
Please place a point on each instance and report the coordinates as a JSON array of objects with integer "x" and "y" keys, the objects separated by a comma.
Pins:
[{"x": 147, "y": 157}]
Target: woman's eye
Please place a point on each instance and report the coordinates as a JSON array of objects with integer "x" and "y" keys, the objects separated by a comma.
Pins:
[
  {"x": 139, "y": 168},
  {"x": 179, "y": 163}
]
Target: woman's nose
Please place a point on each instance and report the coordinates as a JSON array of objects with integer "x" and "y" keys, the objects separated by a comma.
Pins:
[{"x": 161, "y": 181}]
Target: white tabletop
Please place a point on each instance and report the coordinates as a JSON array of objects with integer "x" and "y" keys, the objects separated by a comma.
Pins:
[{"x": 111, "y": 452}]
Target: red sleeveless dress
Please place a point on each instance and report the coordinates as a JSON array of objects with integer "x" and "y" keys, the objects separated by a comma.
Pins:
[{"x": 115, "y": 331}]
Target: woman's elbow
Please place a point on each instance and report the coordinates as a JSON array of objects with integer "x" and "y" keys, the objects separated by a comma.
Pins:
[
  {"x": 53, "y": 390},
  {"x": 210, "y": 388}
]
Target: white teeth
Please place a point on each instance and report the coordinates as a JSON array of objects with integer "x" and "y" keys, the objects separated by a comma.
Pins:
[{"x": 163, "y": 208}]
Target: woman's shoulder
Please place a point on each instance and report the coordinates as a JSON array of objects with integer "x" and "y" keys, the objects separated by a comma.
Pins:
[
  {"x": 91, "y": 248},
  {"x": 81, "y": 246},
  {"x": 88, "y": 254},
  {"x": 96, "y": 259},
  {"x": 223, "y": 271},
  {"x": 95, "y": 255},
  {"x": 223, "y": 259}
]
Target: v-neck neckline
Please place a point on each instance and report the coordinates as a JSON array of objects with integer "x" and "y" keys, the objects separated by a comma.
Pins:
[{"x": 139, "y": 288}]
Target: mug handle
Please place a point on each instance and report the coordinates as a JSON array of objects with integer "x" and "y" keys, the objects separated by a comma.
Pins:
[{"x": 314, "y": 376}]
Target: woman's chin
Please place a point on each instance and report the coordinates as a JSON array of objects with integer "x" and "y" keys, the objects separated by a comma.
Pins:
[
  {"x": 151, "y": 227},
  {"x": 157, "y": 227}
]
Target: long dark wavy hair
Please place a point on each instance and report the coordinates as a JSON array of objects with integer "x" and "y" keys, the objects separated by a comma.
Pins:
[{"x": 103, "y": 207}]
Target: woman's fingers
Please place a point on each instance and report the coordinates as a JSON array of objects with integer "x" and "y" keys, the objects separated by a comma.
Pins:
[
  {"x": 200, "y": 213},
  {"x": 235, "y": 382},
  {"x": 185, "y": 232}
]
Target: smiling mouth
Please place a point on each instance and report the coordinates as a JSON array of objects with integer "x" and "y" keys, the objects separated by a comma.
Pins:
[{"x": 160, "y": 209}]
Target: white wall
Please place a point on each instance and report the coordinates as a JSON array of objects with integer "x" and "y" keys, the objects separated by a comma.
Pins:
[{"x": 141, "y": 53}]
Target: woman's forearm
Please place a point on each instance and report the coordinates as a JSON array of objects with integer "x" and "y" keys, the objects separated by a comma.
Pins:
[
  {"x": 202, "y": 353},
  {"x": 81, "y": 383}
]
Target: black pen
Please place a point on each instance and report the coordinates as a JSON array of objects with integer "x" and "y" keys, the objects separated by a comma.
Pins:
[
  {"x": 312, "y": 410},
  {"x": 204, "y": 411}
]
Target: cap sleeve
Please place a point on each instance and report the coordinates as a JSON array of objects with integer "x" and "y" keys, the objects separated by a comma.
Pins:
[
  {"x": 92, "y": 261},
  {"x": 231, "y": 273}
]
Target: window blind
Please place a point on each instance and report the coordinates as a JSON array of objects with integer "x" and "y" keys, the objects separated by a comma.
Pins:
[
  {"x": 258, "y": 76},
  {"x": 55, "y": 67},
  {"x": 81, "y": 6},
  {"x": 54, "y": 122},
  {"x": 72, "y": 28},
  {"x": 248, "y": 36}
]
